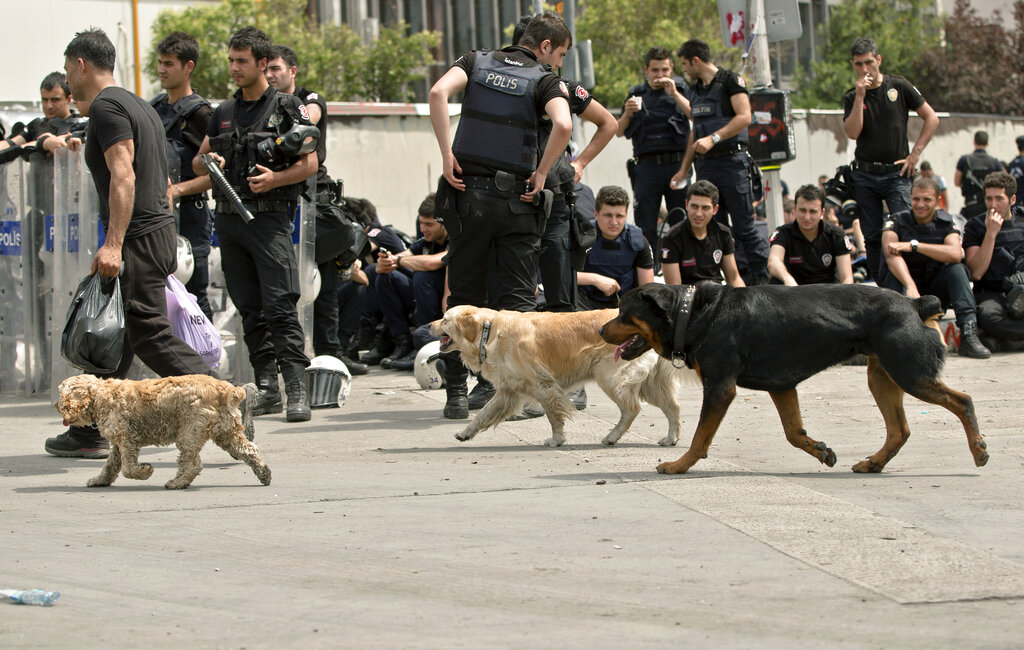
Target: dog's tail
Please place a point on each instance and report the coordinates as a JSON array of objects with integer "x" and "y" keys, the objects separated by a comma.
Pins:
[{"x": 929, "y": 308}]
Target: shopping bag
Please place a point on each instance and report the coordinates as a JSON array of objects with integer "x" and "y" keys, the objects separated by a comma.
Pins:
[
  {"x": 93, "y": 337},
  {"x": 189, "y": 323}
]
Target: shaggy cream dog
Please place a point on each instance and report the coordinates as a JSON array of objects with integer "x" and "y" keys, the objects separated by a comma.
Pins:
[
  {"x": 541, "y": 355},
  {"x": 185, "y": 411}
]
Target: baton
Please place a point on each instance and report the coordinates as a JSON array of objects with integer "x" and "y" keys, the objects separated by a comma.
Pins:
[{"x": 218, "y": 179}]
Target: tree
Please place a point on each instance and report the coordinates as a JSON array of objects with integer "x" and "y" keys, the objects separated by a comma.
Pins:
[
  {"x": 979, "y": 68},
  {"x": 397, "y": 58},
  {"x": 901, "y": 30}
]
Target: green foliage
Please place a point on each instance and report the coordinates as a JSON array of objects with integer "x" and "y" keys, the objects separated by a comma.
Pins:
[
  {"x": 332, "y": 59},
  {"x": 902, "y": 30}
]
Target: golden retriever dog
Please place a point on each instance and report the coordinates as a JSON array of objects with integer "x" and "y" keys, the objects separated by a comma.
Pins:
[
  {"x": 541, "y": 355},
  {"x": 185, "y": 411}
]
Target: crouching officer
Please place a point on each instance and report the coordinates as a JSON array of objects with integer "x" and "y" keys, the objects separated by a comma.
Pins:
[
  {"x": 492, "y": 175},
  {"x": 251, "y": 137}
]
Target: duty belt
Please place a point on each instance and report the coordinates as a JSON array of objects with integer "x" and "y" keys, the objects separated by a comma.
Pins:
[
  {"x": 559, "y": 190},
  {"x": 660, "y": 158},
  {"x": 487, "y": 183},
  {"x": 723, "y": 150},
  {"x": 193, "y": 197},
  {"x": 257, "y": 206},
  {"x": 874, "y": 167}
]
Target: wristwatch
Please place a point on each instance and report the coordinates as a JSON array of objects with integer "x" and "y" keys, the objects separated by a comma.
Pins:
[
  {"x": 913, "y": 245},
  {"x": 716, "y": 138}
]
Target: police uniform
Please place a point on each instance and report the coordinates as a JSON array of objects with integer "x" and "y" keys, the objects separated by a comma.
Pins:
[
  {"x": 882, "y": 141},
  {"x": 727, "y": 166},
  {"x": 186, "y": 121},
  {"x": 260, "y": 266},
  {"x": 698, "y": 259},
  {"x": 811, "y": 261},
  {"x": 1016, "y": 169},
  {"x": 1007, "y": 259},
  {"x": 617, "y": 259},
  {"x": 659, "y": 132},
  {"x": 973, "y": 168}
]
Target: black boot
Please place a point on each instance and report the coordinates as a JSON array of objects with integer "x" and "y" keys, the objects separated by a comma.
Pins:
[
  {"x": 268, "y": 400},
  {"x": 78, "y": 442},
  {"x": 408, "y": 362},
  {"x": 362, "y": 340},
  {"x": 970, "y": 344},
  {"x": 354, "y": 367},
  {"x": 403, "y": 346},
  {"x": 382, "y": 347},
  {"x": 455, "y": 376},
  {"x": 481, "y": 393},
  {"x": 298, "y": 400}
]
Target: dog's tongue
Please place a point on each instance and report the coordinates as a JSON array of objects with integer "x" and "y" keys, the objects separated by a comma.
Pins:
[
  {"x": 65, "y": 423},
  {"x": 618, "y": 350}
]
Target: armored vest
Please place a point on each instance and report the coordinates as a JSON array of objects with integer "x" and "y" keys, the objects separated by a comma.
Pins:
[
  {"x": 1007, "y": 254},
  {"x": 499, "y": 120},
  {"x": 180, "y": 150},
  {"x": 979, "y": 165},
  {"x": 658, "y": 127},
  {"x": 616, "y": 263},
  {"x": 711, "y": 109}
]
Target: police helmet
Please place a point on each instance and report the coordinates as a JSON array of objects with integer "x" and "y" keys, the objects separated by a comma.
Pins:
[
  {"x": 186, "y": 262},
  {"x": 428, "y": 375},
  {"x": 329, "y": 381}
]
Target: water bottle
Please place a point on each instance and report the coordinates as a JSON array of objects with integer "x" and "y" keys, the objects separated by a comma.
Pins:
[{"x": 31, "y": 596}]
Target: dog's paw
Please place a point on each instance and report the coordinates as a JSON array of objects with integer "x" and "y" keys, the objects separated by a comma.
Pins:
[
  {"x": 867, "y": 466},
  {"x": 672, "y": 468},
  {"x": 176, "y": 485},
  {"x": 264, "y": 475},
  {"x": 979, "y": 453},
  {"x": 668, "y": 441},
  {"x": 825, "y": 455},
  {"x": 145, "y": 471},
  {"x": 554, "y": 442},
  {"x": 97, "y": 482},
  {"x": 463, "y": 436},
  {"x": 610, "y": 439}
]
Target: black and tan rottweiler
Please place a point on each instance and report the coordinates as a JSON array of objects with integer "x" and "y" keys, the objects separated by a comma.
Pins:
[{"x": 772, "y": 338}]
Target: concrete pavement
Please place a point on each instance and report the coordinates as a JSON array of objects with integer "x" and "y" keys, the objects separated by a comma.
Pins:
[{"x": 380, "y": 530}]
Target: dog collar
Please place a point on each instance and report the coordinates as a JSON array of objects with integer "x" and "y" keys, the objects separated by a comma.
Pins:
[
  {"x": 485, "y": 333},
  {"x": 682, "y": 321}
]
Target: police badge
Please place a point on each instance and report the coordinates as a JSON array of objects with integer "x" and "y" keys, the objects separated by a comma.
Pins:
[
  {"x": 274, "y": 120},
  {"x": 717, "y": 256},
  {"x": 826, "y": 259}
]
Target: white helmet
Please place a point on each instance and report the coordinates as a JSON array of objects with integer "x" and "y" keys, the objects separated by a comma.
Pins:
[
  {"x": 329, "y": 381},
  {"x": 186, "y": 262},
  {"x": 427, "y": 374}
]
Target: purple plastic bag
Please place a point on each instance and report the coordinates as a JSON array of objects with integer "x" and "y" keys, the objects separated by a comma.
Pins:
[{"x": 190, "y": 324}]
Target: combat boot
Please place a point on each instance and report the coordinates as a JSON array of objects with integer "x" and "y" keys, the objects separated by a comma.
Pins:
[
  {"x": 970, "y": 344},
  {"x": 455, "y": 375},
  {"x": 382, "y": 347},
  {"x": 268, "y": 399},
  {"x": 298, "y": 400},
  {"x": 403, "y": 346},
  {"x": 362, "y": 340},
  {"x": 481, "y": 393}
]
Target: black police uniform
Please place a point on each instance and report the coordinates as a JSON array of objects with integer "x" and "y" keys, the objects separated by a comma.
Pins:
[
  {"x": 258, "y": 258},
  {"x": 698, "y": 259},
  {"x": 727, "y": 166},
  {"x": 618, "y": 259},
  {"x": 882, "y": 141},
  {"x": 659, "y": 132},
  {"x": 973, "y": 168},
  {"x": 186, "y": 121},
  {"x": 1016, "y": 169},
  {"x": 811, "y": 261},
  {"x": 950, "y": 283},
  {"x": 1007, "y": 259}
]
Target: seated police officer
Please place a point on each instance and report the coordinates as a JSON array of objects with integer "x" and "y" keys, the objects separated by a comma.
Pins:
[
  {"x": 699, "y": 247},
  {"x": 922, "y": 252},
  {"x": 620, "y": 260},
  {"x": 809, "y": 249},
  {"x": 385, "y": 240},
  {"x": 260, "y": 266}
]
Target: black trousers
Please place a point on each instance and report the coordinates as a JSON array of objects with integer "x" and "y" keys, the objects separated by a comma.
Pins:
[
  {"x": 951, "y": 285},
  {"x": 325, "y": 312},
  {"x": 262, "y": 276},
  {"x": 993, "y": 319},
  {"x": 556, "y": 272},
  {"x": 195, "y": 225}
]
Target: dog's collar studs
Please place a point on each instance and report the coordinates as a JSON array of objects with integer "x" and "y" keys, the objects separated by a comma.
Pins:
[
  {"x": 682, "y": 321},
  {"x": 485, "y": 333}
]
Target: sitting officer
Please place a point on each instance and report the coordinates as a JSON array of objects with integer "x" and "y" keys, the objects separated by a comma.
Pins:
[
  {"x": 922, "y": 252},
  {"x": 620, "y": 260},
  {"x": 699, "y": 247},
  {"x": 810, "y": 250},
  {"x": 994, "y": 247}
]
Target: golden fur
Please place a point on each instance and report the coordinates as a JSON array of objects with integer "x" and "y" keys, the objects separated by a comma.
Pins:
[
  {"x": 185, "y": 411},
  {"x": 541, "y": 355}
]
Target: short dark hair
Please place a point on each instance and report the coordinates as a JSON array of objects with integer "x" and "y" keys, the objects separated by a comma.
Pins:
[
  {"x": 1020, "y": 143},
  {"x": 93, "y": 47},
  {"x": 657, "y": 54},
  {"x": 863, "y": 46},
  {"x": 981, "y": 138},
  {"x": 252, "y": 39},
  {"x": 703, "y": 188},
  {"x": 427, "y": 207},
  {"x": 788, "y": 204},
  {"x": 55, "y": 79},
  {"x": 926, "y": 166},
  {"x": 810, "y": 192},
  {"x": 520, "y": 28},
  {"x": 546, "y": 26},
  {"x": 925, "y": 183},
  {"x": 286, "y": 54},
  {"x": 695, "y": 48},
  {"x": 1003, "y": 180},
  {"x": 182, "y": 45},
  {"x": 610, "y": 195}
]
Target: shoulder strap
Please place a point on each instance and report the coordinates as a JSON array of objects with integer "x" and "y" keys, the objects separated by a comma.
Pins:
[
  {"x": 186, "y": 106},
  {"x": 159, "y": 99}
]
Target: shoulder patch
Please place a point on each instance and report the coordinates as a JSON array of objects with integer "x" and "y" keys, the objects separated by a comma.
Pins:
[
  {"x": 564, "y": 88},
  {"x": 311, "y": 97},
  {"x": 846, "y": 240},
  {"x": 303, "y": 111},
  {"x": 581, "y": 92},
  {"x": 741, "y": 81},
  {"x": 373, "y": 232},
  {"x": 888, "y": 225},
  {"x": 774, "y": 235}
]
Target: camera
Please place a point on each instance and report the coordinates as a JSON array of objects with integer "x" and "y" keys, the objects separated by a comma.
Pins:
[
  {"x": 839, "y": 191},
  {"x": 280, "y": 150}
]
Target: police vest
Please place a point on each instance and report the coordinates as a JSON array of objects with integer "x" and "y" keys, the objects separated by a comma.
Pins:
[
  {"x": 658, "y": 127},
  {"x": 1016, "y": 169},
  {"x": 1007, "y": 254},
  {"x": 616, "y": 263},
  {"x": 711, "y": 110},
  {"x": 174, "y": 118},
  {"x": 499, "y": 122},
  {"x": 239, "y": 147},
  {"x": 979, "y": 165}
]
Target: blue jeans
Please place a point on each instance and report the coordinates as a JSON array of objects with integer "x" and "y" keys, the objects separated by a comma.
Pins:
[{"x": 870, "y": 190}]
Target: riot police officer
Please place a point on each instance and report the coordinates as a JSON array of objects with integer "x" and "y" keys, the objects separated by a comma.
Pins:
[
  {"x": 971, "y": 171},
  {"x": 259, "y": 262},
  {"x": 1016, "y": 169}
]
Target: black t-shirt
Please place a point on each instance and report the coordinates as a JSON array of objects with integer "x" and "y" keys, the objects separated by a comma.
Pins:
[
  {"x": 307, "y": 97},
  {"x": 423, "y": 247},
  {"x": 1008, "y": 253},
  {"x": 811, "y": 262},
  {"x": 116, "y": 115},
  {"x": 698, "y": 259},
  {"x": 980, "y": 164},
  {"x": 884, "y": 136},
  {"x": 922, "y": 268}
]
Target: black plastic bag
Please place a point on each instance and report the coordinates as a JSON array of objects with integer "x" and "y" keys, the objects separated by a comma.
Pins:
[{"x": 93, "y": 337}]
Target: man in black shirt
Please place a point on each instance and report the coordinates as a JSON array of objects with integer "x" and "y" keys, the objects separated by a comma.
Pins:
[
  {"x": 971, "y": 171},
  {"x": 620, "y": 259},
  {"x": 699, "y": 247},
  {"x": 922, "y": 250},
  {"x": 1016, "y": 169},
  {"x": 875, "y": 113},
  {"x": 125, "y": 152},
  {"x": 810, "y": 250}
]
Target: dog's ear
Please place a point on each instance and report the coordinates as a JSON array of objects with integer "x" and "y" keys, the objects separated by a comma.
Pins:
[
  {"x": 661, "y": 296},
  {"x": 467, "y": 321}
]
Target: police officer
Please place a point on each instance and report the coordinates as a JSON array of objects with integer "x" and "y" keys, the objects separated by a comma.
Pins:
[
  {"x": 922, "y": 250},
  {"x": 1016, "y": 169},
  {"x": 699, "y": 247},
  {"x": 620, "y": 260},
  {"x": 655, "y": 118},
  {"x": 810, "y": 250},
  {"x": 720, "y": 107},
  {"x": 259, "y": 261},
  {"x": 186, "y": 118},
  {"x": 971, "y": 171},
  {"x": 493, "y": 168}
]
